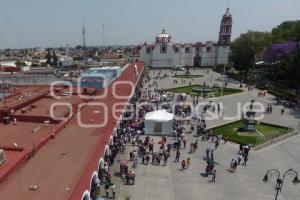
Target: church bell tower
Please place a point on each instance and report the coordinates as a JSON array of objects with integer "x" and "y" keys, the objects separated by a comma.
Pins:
[{"x": 225, "y": 29}]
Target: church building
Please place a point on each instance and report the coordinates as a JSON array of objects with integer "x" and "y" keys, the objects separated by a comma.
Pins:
[{"x": 166, "y": 54}]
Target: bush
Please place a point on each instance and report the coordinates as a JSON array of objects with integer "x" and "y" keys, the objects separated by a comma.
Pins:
[{"x": 219, "y": 68}]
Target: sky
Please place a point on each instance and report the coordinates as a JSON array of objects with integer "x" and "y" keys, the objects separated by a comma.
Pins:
[{"x": 55, "y": 23}]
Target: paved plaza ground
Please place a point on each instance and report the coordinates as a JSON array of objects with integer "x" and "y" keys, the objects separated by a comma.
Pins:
[{"x": 170, "y": 182}]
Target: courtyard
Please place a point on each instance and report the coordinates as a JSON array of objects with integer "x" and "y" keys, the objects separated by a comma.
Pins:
[{"x": 171, "y": 182}]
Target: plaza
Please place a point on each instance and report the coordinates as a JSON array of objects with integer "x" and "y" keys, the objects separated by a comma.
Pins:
[
  {"x": 171, "y": 182},
  {"x": 146, "y": 100}
]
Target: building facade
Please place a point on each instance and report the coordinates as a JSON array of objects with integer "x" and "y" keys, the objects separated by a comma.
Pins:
[
  {"x": 163, "y": 53},
  {"x": 99, "y": 77}
]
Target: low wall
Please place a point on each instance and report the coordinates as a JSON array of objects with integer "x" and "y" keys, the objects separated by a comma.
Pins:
[
  {"x": 34, "y": 119},
  {"x": 11, "y": 148}
]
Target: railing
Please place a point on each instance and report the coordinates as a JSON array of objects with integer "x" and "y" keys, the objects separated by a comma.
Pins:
[{"x": 275, "y": 134}]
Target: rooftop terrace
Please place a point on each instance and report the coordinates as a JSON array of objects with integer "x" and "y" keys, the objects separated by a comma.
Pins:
[{"x": 68, "y": 153}]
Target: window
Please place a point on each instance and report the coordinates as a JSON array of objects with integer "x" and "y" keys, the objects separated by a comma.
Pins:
[
  {"x": 148, "y": 50},
  {"x": 208, "y": 49},
  {"x": 187, "y": 49},
  {"x": 176, "y": 50},
  {"x": 158, "y": 127},
  {"x": 163, "y": 49},
  {"x": 197, "y": 49}
]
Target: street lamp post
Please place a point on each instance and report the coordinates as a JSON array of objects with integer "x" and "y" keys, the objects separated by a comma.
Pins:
[
  {"x": 224, "y": 73},
  {"x": 280, "y": 178}
]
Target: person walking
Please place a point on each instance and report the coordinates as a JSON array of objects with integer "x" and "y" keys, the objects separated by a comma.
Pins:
[
  {"x": 245, "y": 159},
  {"x": 135, "y": 162},
  {"x": 282, "y": 111},
  {"x": 212, "y": 155},
  {"x": 216, "y": 143},
  {"x": 192, "y": 147},
  {"x": 207, "y": 153},
  {"x": 184, "y": 143},
  {"x": 234, "y": 166},
  {"x": 214, "y": 173},
  {"x": 239, "y": 158},
  {"x": 153, "y": 159},
  {"x": 231, "y": 165},
  {"x": 107, "y": 189},
  {"x": 188, "y": 162},
  {"x": 113, "y": 190},
  {"x": 177, "y": 156},
  {"x": 165, "y": 159},
  {"x": 147, "y": 159},
  {"x": 183, "y": 164}
]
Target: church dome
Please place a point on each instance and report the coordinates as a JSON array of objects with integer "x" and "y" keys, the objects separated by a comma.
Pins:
[
  {"x": 163, "y": 38},
  {"x": 163, "y": 34}
]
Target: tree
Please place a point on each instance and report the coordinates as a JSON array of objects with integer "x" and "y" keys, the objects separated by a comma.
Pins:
[
  {"x": 48, "y": 57},
  {"x": 35, "y": 65},
  {"x": 280, "y": 51},
  {"x": 247, "y": 47},
  {"x": 286, "y": 31},
  {"x": 78, "y": 47},
  {"x": 55, "y": 59},
  {"x": 289, "y": 70},
  {"x": 20, "y": 63}
]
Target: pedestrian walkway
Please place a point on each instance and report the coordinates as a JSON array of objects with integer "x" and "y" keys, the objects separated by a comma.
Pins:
[{"x": 171, "y": 182}]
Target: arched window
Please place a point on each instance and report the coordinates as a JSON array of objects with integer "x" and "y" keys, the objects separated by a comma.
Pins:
[
  {"x": 208, "y": 49},
  {"x": 163, "y": 49},
  {"x": 148, "y": 50},
  {"x": 94, "y": 189},
  {"x": 101, "y": 169},
  {"x": 85, "y": 195},
  {"x": 187, "y": 49}
]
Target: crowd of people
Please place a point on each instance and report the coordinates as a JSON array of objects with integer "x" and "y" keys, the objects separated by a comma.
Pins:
[{"x": 145, "y": 151}]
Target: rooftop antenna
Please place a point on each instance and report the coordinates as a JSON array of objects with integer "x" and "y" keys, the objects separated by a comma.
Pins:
[
  {"x": 67, "y": 50},
  {"x": 83, "y": 37},
  {"x": 103, "y": 34},
  {"x": 228, "y": 5}
]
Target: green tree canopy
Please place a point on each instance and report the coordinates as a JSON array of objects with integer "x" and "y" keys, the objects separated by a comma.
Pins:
[
  {"x": 286, "y": 31},
  {"x": 249, "y": 45},
  {"x": 48, "y": 57},
  {"x": 55, "y": 58},
  {"x": 20, "y": 63},
  {"x": 289, "y": 70}
]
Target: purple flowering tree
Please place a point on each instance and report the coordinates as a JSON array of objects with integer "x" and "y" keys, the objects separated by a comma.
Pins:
[{"x": 280, "y": 51}]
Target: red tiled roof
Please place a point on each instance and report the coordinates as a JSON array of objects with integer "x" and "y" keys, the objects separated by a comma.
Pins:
[{"x": 128, "y": 75}]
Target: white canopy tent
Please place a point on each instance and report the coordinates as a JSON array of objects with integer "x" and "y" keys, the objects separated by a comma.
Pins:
[{"x": 159, "y": 122}]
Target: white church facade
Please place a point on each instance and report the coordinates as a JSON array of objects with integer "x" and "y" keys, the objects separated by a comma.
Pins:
[{"x": 163, "y": 53}]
